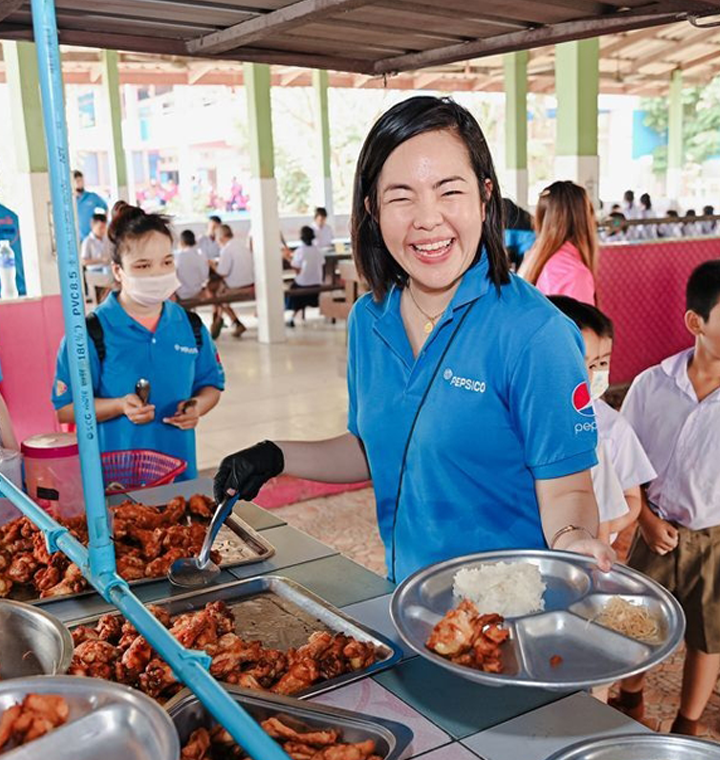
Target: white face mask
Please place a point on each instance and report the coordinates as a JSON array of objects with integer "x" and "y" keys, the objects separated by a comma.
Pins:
[
  {"x": 150, "y": 291},
  {"x": 600, "y": 383}
]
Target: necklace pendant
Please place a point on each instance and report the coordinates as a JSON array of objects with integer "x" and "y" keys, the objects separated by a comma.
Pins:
[{"x": 428, "y": 327}]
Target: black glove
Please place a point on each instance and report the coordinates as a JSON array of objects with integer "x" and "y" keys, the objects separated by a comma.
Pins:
[{"x": 247, "y": 471}]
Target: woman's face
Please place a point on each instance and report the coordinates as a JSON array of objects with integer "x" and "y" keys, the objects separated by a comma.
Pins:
[
  {"x": 431, "y": 213},
  {"x": 149, "y": 256}
]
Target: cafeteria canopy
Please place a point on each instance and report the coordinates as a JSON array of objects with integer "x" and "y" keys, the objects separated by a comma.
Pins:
[{"x": 372, "y": 38}]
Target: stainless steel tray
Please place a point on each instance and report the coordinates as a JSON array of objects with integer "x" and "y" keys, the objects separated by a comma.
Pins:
[
  {"x": 576, "y": 592},
  {"x": 641, "y": 747},
  {"x": 391, "y": 739},
  {"x": 237, "y": 542},
  {"x": 282, "y": 614},
  {"x": 106, "y": 721}
]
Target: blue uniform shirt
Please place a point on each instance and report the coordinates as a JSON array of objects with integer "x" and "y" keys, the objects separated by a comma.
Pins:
[
  {"x": 86, "y": 204},
  {"x": 509, "y": 405},
  {"x": 168, "y": 358}
]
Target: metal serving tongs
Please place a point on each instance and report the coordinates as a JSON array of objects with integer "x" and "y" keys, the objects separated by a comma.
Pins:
[{"x": 196, "y": 572}]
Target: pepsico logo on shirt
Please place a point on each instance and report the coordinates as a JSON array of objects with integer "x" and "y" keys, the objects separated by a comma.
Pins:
[{"x": 581, "y": 401}]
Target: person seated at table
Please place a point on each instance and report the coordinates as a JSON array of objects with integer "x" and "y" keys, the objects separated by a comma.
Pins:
[
  {"x": 208, "y": 243},
  {"x": 95, "y": 256},
  {"x": 671, "y": 229},
  {"x": 709, "y": 226},
  {"x": 309, "y": 263},
  {"x": 323, "y": 231},
  {"x": 191, "y": 266},
  {"x": 137, "y": 332},
  {"x": 236, "y": 268},
  {"x": 691, "y": 228}
]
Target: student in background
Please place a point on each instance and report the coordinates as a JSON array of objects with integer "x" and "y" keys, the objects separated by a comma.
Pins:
[
  {"x": 95, "y": 249},
  {"x": 191, "y": 266},
  {"x": 646, "y": 231},
  {"x": 563, "y": 259},
  {"x": 309, "y": 263},
  {"x": 235, "y": 266},
  {"x": 87, "y": 203},
  {"x": 709, "y": 226},
  {"x": 691, "y": 228},
  {"x": 674, "y": 408},
  {"x": 671, "y": 229},
  {"x": 629, "y": 208},
  {"x": 208, "y": 243},
  {"x": 519, "y": 233},
  {"x": 323, "y": 231}
]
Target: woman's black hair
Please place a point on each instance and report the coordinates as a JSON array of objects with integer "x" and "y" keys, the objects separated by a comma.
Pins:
[
  {"x": 646, "y": 200},
  {"x": 516, "y": 218},
  {"x": 402, "y": 122},
  {"x": 307, "y": 235},
  {"x": 132, "y": 223}
]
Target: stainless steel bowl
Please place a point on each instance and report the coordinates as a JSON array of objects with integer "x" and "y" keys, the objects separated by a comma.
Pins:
[
  {"x": 641, "y": 747},
  {"x": 106, "y": 721},
  {"x": 32, "y": 642}
]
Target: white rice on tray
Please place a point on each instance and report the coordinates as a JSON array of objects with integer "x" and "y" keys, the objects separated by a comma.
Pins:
[{"x": 510, "y": 589}]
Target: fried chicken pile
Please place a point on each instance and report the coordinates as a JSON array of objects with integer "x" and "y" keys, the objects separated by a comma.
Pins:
[
  {"x": 114, "y": 650},
  {"x": 313, "y": 744},
  {"x": 34, "y": 717},
  {"x": 147, "y": 541},
  {"x": 467, "y": 638}
]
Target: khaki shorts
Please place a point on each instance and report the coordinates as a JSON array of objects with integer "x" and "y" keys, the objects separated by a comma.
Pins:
[{"x": 691, "y": 573}]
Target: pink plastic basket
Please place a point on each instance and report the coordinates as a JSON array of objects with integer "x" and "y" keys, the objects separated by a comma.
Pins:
[{"x": 125, "y": 471}]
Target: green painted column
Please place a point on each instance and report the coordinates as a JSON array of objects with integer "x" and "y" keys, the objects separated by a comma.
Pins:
[
  {"x": 675, "y": 136},
  {"x": 31, "y": 184},
  {"x": 516, "y": 174},
  {"x": 322, "y": 111},
  {"x": 269, "y": 290},
  {"x": 111, "y": 85},
  {"x": 577, "y": 81}
]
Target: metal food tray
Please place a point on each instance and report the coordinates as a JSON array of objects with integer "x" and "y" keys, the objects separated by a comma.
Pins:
[
  {"x": 281, "y": 614},
  {"x": 391, "y": 738},
  {"x": 106, "y": 721},
  {"x": 237, "y": 542},
  {"x": 576, "y": 592},
  {"x": 641, "y": 747}
]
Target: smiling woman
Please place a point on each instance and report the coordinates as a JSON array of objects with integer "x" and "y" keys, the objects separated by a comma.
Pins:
[{"x": 460, "y": 375}]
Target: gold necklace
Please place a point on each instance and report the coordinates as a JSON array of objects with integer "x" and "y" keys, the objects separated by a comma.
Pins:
[{"x": 429, "y": 326}]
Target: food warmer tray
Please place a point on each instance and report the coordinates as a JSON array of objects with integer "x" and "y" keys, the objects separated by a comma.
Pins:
[
  {"x": 641, "y": 747},
  {"x": 576, "y": 592}
]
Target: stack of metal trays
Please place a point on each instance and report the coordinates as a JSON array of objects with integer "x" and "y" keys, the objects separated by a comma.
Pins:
[
  {"x": 32, "y": 642},
  {"x": 641, "y": 747},
  {"x": 561, "y": 647},
  {"x": 391, "y": 739},
  {"x": 282, "y": 614},
  {"x": 106, "y": 721}
]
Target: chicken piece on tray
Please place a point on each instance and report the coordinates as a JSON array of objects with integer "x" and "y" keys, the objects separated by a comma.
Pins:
[
  {"x": 72, "y": 583},
  {"x": 129, "y": 515},
  {"x": 359, "y": 654},
  {"x": 301, "y": 675},
  {"x": 50, "y": 575},
  {"x": 37, "y": 715},
  {"x": 278, "y": 730},
  {"x": 160, "y": 566},
  {"x": 360, "y": 751},
  {"x": 201, "y": 506},
  {"x": 158, "y": 680},
  {"x": 22, "y": 568},
  {"x": 109, "y": 628},
  {"x": 174, "y": 511},
  {"x": 134, "y": 660},
  {"x": 269, "y": 668},
  {"x": 230, "y": 653},
  {"x": 198, "y": 746},
  {"x": 84, "y": 633},
  {"x": 129, "y": 632},
  {"x": 95, "y": 659},
  {"x": 454, "y": 634},
  {"x": 150, "y": 541}
]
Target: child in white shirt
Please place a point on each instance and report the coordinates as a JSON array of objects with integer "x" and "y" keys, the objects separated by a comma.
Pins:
[
  {"x": 323, "y": 231},
  {"x": 309, "y": 263},
  {"x": 191, "y": 266}
]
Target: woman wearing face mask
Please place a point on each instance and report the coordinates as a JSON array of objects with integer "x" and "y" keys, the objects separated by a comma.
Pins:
[
  {"x": 469, "y": 403},
  {"x": 137, "y": 333}
]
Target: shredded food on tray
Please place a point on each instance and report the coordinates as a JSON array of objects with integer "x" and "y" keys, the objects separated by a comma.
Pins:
[
  {"x": 35, "y": 716},
  {"x": 631, "y": 620},
  {"x": 311, "y": 744}
]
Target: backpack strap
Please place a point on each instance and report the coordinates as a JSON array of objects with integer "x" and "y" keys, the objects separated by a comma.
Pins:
[
  {"x": 196, "y": 324},
  {"x": 95, "y": 331}
]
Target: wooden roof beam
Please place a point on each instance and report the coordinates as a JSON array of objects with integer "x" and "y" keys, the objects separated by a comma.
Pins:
[
  {"x": 664, "y": 53},
  {"x": 291, "y": 76},
  {"x": 701, "y": 60},
  {"x": 8, "y": 7},
  {"x": 627, "y": 40},
  {"x": 197, "y": 71},
  {"x": 544, "y": 35},
  {"x": 273, "y": 23}
]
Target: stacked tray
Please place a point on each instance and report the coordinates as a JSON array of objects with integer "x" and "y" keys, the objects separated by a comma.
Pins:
[
  {"x": 576, "y": 592},
  {"x": 641, "y": 747},
  {"x": 281, "y": 614},
  {"x": 391, "y": 739}
]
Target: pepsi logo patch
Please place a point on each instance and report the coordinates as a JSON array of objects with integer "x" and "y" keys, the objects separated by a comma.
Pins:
[{"x": 581, "y": 401}]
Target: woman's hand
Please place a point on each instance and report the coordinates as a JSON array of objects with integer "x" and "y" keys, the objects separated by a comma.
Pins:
[
  {"x": 247, "y": 471},
  {"x": 660, "y": 535},
  {"x": 137, "y": 412},
  {"x": 581, "y": 543},
  {"x": 186, "y": 417}
]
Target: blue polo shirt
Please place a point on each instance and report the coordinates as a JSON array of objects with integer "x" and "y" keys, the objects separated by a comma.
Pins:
[
  {"x": 169, "y": 358},
  {"x": 509, "y": 405},
  {"x": 86, "y": 204}
]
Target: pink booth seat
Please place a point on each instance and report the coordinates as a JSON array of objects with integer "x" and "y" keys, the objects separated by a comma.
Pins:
[
  {"x": 30, "y": 333},
  {"x": 641, "y": 287}
]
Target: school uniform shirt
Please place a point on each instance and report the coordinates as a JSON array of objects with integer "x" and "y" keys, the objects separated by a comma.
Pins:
[
  {"x": 680, "y": 436},
  {"x": 508, "y": 403},
  {"x": 608, "y": 491},
  {"x": 94, "y": 247},
  {"x": 168, "y": 357},
  {"x": 628, "y": 457},
  {"x": 192, "y": 270},
  {"x": 323, "y": 236},
  {"x": 88, "y": 204},
  {"x": 236, "y": 264},
  {"x": 209, "y": 248},
  {"x": 311, "y": 263},
  {"x": 564, "y": 274}
]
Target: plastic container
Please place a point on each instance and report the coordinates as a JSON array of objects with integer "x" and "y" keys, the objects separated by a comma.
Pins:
[
  {"x": 125, "y": 471},
  {"x": 52, "y": 474},
  {"x": 8, "y": 288},
  {"x": 11, "y": 468}
]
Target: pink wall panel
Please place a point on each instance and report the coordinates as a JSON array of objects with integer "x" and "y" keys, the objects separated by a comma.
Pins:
[
  {"x": 641, "y": 287},
  {"x": 30, "y": 332}
]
